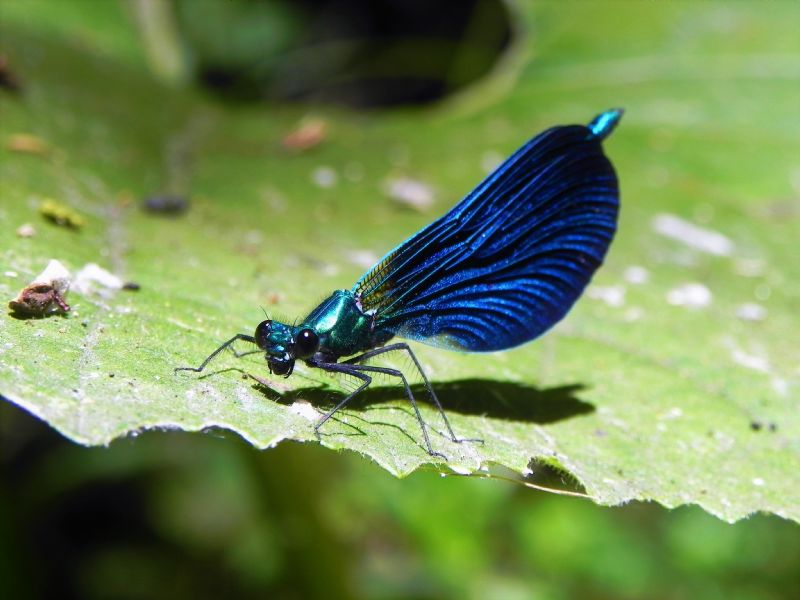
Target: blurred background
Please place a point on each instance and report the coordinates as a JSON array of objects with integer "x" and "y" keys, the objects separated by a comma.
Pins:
[
  {"x": 174, "y": 515},
  {"x": 178, "y": 515}
]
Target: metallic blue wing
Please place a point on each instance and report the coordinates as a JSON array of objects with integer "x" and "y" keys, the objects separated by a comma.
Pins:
[{"x": 510, "y": 260}]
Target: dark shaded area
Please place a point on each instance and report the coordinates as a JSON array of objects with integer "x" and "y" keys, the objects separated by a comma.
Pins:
[
  {"x": 550, "y": 476},
  {"x": 8, "y": 78},
  {"x": 26, "y": 315},
  {"x": 177, "y": 515},
  {"x": 485, "y": 397},
  {"x": 361, "y": 54},
  {"x": 166, "y": 205},
  {"x": 80, "y": 522},
  {"x": 759, "y": 425}
]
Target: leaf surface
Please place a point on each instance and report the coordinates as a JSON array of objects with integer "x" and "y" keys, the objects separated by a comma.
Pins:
[{"x": 675, "y": 378}]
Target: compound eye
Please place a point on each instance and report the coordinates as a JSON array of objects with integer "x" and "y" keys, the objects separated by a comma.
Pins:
[
  {"x": 306, "y": 343},
  {"x": 262, "y": 333}
]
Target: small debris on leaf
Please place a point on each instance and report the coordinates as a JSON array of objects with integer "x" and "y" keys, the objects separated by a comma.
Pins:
[
  {"x": 308, "y": 134},
  {"x": 61, "y": 214},
  {"x": 694, "y": 236},
  {"x": 8, "y": 79},
  {"x": 45, "y": 295},
  {"x": 92, "y": 278},
  {"x": 166, "y": 205},
  {"x": 637, "y": 275},
  {"x": 613, "y": 295},
  {"x": 36, "y": 300},
  {"x": 26, "y": 230},
  {"x": 26, "y": 143},
  {"x": 411, "y": 193},
  {"x": 324, "y": 177},
  {"x": 690, "y": 295}
]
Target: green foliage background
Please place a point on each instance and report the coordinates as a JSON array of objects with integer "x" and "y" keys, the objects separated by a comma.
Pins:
[{"x": 646, "y": 401}]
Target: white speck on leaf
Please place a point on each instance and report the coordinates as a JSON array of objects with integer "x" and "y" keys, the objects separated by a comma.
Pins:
[
  {"x": 758, "y": 481},
  {"x": 750, "y": 311},
  {"x": 699, "y": 238},
  {"x": 56, "y": 275},
  {"x": 26, "y": 230},
  {"x": 304, "y": 409},
  {"x": 690, "y": 295},
  {"x": 410, "y": 192},
  {"x": 673, "y": 413},
  {"x": 636, "y": 275},
  {"x": 781, "y": 386},
  {"x": 324, "y": 177},
  {"x": 749, "y": 360},
  {"x": 94, "y": 278},
  {"x": 613, "y": 295}
]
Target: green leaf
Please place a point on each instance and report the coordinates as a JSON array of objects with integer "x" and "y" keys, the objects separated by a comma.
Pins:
[{"x": 636, "y": 395}]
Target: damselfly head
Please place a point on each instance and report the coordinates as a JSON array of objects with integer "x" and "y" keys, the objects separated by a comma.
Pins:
[
  {"x": 276, "y": 340},
  {"x": 283, "y": 344}
]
